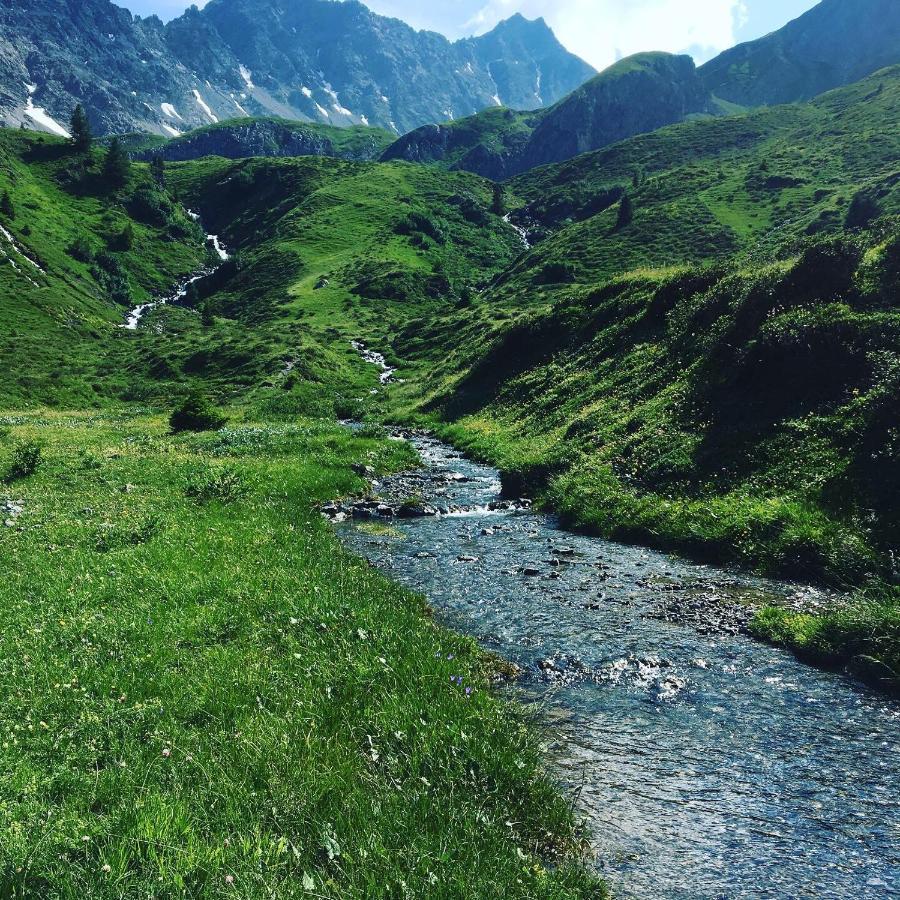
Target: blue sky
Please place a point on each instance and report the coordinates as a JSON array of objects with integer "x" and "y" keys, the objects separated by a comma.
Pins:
[{"x": 600, "y": 31}]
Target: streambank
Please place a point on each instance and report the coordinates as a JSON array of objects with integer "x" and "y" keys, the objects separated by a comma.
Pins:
[
  {"x": 707, "y": 763},
  {"x": 859, "y": 634}
]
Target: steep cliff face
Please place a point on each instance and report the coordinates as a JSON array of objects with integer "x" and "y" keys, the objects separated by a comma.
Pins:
[
  {"x": 835, "y": 43},
  {"x": 272, "y": 137},
  {"x": 56, "y": 53},
  {"x": 638, "y": 94},
  {"x": 524, "y": 61},
  {"x": 308, "y": 60}
]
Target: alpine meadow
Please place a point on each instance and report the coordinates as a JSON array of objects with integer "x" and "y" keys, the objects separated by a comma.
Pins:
[{"x": 436, "y": 469}]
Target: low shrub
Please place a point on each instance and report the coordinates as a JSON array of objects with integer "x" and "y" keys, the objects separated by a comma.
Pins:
[
  {"x": 196, "y": 413},
  {"x": 26, "y": 460}
]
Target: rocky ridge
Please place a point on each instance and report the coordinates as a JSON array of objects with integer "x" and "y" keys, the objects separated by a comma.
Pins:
[{"x": 308, "y": 60}]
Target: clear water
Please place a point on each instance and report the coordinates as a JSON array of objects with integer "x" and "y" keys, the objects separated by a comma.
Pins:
[{"x": 706, "y": 765}]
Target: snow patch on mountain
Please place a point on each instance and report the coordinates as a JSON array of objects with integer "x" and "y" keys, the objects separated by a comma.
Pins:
[
  {"x": 247, "y": 75},
  {"x": 170, "y": 111},
  {"x": 203, "y": 105},
  {"x": 39, "y": 115}
]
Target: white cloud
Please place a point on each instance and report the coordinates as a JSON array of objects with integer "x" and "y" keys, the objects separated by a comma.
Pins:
[{"x": 602, "y": 31}]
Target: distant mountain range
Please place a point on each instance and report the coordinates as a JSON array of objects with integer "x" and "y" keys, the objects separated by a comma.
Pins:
[
  {"x": 836, "y": 43},
  {"x": 497, "y": 105},
  {"x": 308, "y": 60}
]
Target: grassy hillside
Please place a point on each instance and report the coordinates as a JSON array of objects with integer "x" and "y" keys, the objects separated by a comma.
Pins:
[
  {"x": 834, "y": 43},
  {"x": 266, "y": 136},
  {"x": 743, "y": 414},
  {"x": 703, "y": 190},
  {"x": 635, "y": 95},
  {"x": 326, "y": 251},
  {"x": 488, "y": 143},
  {"x": 67, "y": 277},
  {"x": 206, "y": 697}
]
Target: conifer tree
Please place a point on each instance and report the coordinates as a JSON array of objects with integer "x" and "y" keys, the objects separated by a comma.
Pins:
[
  {"x": 80, "y": 127},
  {"x": 158, "y": 171},
  {"x": 498, "y": 207},
  {"x": 116, "y": 165},
  {"x": 125, "y": 239},
  {"x": 6, "y": 206},
  {"x": 626, "y": 212}
]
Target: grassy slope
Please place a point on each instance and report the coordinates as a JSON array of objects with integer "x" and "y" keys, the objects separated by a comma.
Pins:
[
  {"x": 740, "y": 412},
  {"x": 200, "y": 686},
  {"x": 393, "y": 242},
  {"x": 498, "y": 131},
  {"x": 54, "y": 322},
  {"x": 711, "y": 188},
  {"x": 349, "y": 142}
]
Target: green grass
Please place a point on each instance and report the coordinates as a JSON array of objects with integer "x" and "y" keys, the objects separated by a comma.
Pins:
[
  {"x": 206, "y": 697},
  {"x": 864, "y": 636},
  {"x": 57, "y": 320}
]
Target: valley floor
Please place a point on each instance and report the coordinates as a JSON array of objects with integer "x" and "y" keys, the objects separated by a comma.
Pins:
[{"x": 206, "y": 696}]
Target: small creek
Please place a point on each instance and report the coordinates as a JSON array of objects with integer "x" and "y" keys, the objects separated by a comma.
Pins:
[
  {"x": 133, "y": 317},
  {"x": 707, "y": 765}
]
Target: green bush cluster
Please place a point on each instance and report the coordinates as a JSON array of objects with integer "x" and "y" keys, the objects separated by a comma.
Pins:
[
  {"x": 26, "y": 460},
  {"x": 196, "y": 413},
  {"x": 216, "y": 485}
]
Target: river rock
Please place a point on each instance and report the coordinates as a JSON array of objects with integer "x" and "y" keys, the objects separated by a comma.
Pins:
[
  {"x": 416, "y": 511},
  {"x": 12, "y": 508}
]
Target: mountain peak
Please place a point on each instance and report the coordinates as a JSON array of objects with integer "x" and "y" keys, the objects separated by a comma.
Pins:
[{"x": 319, "y": 61}]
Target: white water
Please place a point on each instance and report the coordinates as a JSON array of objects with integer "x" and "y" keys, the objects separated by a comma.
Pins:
[
  {"x": 376, "y": 359},
  {"x": 134, "y": 317},
  {"x": 220, "y": 250},
  {"x": 523, "y": 234}
]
